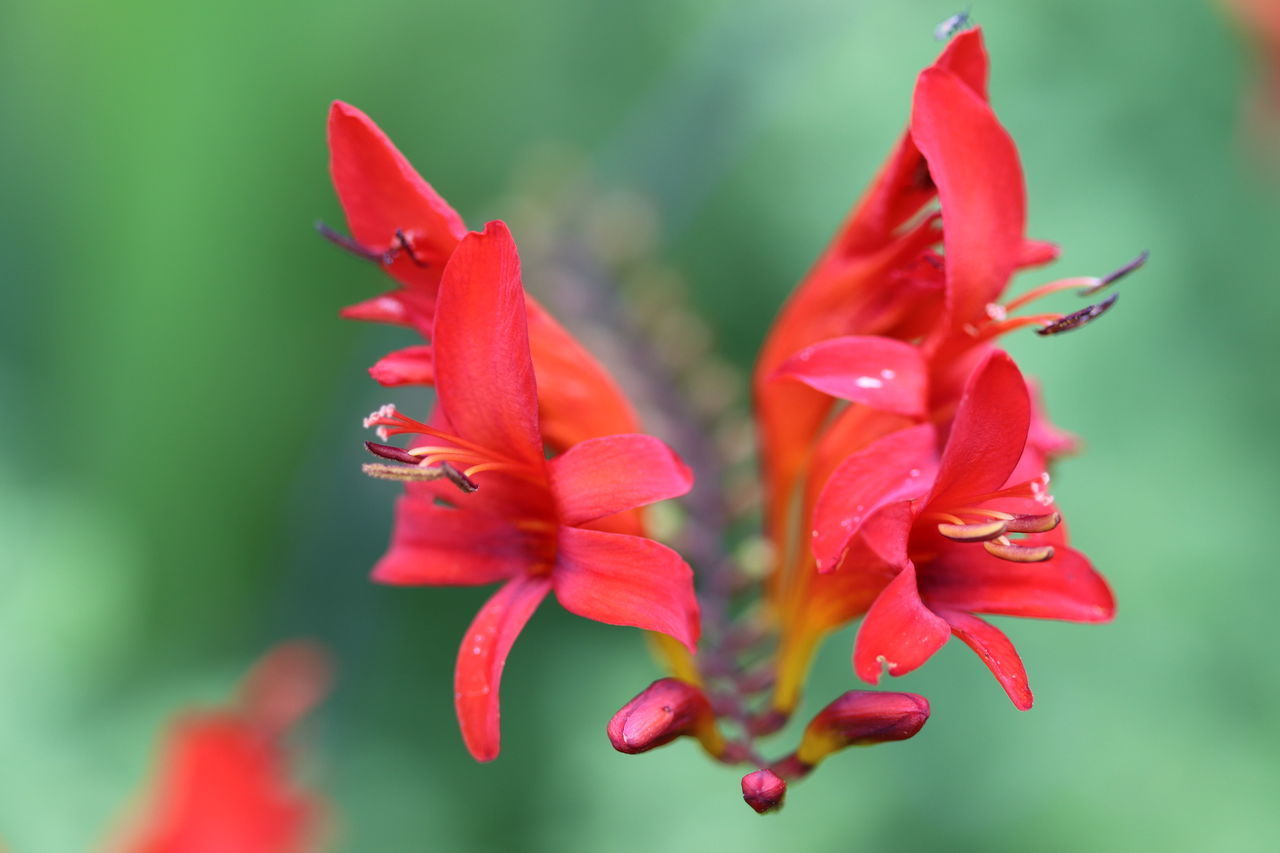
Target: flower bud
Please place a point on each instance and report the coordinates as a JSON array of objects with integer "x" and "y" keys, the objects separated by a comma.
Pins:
[
  {"x": 861, "y": 718},
  {"x": 664, "y": 711},
  {"x": 764, "y": 790}
]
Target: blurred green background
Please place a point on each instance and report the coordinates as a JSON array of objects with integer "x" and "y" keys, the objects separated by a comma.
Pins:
[{"x": 180, "y": 486}]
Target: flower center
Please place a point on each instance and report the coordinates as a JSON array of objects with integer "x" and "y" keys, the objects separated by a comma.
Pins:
[{"x": 975, "y": 520}]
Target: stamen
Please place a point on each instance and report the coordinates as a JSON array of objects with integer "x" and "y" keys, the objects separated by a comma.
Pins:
[
  {"x": 1112, "y": 277},
  {"x": 402, "y": 473},
  {"x": 403, "y": 244},
  {"x": 1006, "y": 550},
  {"x": 979, "y": 532},
  {"x": 1034, "y": 523},
  {"x": 1079, "y": 318},
  {"x": 387, "y": 451},
  {"x": 348, "y": 244},
  {"x": 459, "y": 479}
]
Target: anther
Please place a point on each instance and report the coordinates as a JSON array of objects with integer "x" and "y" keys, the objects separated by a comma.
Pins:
[
  {"x": 395, "y": 454},
  {"x": 978, "y": 532},
  {"x": 1079, "y": 318},
  {"x": 403, "y": 244},
  {"x": 401, "y": 473},
  {"x": 459, "y": 479},
  {"x": 1112, "y": 277},
  {"x": 348, "y": 244},
  {"x": 1006, "y": 550},
  {"x": 1033, "y": 523}
]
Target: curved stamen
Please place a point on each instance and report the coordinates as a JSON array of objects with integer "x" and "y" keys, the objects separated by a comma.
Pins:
[
  {"x": 1034, "y": 523},
  {"x": 1006, "y": 550},
  {"x": 349, "y": 244},
  {"x": 1079, "y": 318},
  {"x": 979, "y": 532},
  {"x": 387, "y": 451},
  {"x": 1112, "y": 277}
]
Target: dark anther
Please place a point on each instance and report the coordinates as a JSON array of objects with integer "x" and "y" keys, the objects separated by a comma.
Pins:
[
  {"x": 402, "y": 244},
  {"x": 459, "y": 479},
  {"x": 395, "y": 454},
  {"x": 1079, "y": 318},
  {"x": 1111, "y": 278},
  {"x": 346, "y": 243}
]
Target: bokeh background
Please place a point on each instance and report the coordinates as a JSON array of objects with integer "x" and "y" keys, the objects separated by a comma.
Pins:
[{"x": 179, "y": 478}]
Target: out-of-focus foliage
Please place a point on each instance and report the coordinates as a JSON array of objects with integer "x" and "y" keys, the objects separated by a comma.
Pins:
[{"x": 179, "y": 485}]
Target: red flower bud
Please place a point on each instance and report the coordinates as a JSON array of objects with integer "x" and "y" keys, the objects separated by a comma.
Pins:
[
  {"x": 664, "y": 711},
  {"x": 764, "y": 790},
  {"x": 860, "y": 718}
]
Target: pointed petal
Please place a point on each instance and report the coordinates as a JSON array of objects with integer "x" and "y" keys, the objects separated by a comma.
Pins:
[
  {"x": 988, "y": 434},
  {"x": 437, "y": 546},
  {"x": 996, "y": 651},
  {"x": 408, "y": 366},
  {"x": 966, "y": 57},
  {"x": 483, "y": 655},
  {"x": 877, "y": 372},
  {"x": 866, "y": 482},
  {"x": 975, "y": 166},
  {"x": 1064, "y": 587},
  {"x": 899, "y": 631},
  {"x": 1037, "y": 253},
  {"x": 484, "y": 371},
  {"x": 601, "y": 476},
  {"x": 626, "y": 580},
  {"x": 381, "y": 192},
  {"x": 387, "y": 308}
]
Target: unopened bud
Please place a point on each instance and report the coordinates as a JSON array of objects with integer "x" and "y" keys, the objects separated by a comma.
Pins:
[
  {"x": 764, "y": 790},
  {"x": 665, "y": 710},
  {"x": 860, "y": 718}
]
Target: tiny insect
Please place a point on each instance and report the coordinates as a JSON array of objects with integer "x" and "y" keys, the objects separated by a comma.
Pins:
[{"x": 951, "y": 26}]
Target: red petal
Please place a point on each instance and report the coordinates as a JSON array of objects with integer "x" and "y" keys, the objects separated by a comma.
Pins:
[
  {"x": 866, "y": 482},
  {"x": 484, "y": 372},
  {"x": 483, "y": 655},
  {"x": 1037, "y": 253},
  {"x": 437, "y": 546},
  {"x": 1065, "y": 587},
  {"x": 988, "y": 434},
  {"x": 899, "y": 631},
  {"x": 387, "y": 308},
  {"x": 381, "y": 192},
  {"x": 996, "y": 652},
  {"x": 601, "y": 476},
  {"x": 877, "y": 372},
  {"x": 966, "y": 57},
  {"x": 626, "y": 580},
  {"x": 408, "y": 366},
  {"x": 975, "y": 166}
]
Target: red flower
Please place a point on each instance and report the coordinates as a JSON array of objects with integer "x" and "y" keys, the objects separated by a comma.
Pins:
[
  {"x": 536, "y": 524},
  {"x": 398, "y": 221},
  {"x": 223, "y": 782},
  {"x": 937, "y": 532}
]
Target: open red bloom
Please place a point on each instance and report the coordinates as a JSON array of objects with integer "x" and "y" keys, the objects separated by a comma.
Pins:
[
  {"x": 223, "y": 782},
  {"x": 938, "y": 532},
  {"x": 539, "y": 525},
  {"x": 400, "y": 222}
]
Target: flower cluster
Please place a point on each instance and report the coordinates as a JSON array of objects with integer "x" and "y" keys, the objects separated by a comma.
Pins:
[{"x": 904, "y": 456}]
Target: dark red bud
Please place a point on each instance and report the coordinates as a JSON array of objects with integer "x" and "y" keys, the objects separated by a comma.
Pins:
[
  {"x": 664, "y": 711},
  {"x": 862, "y": 717},
  {"x": 764, "y": 790}
]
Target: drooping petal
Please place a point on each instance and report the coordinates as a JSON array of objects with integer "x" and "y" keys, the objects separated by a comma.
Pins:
[
  {"x": 1065, "y": 587},
  {"x": 437, "y": 546},
  {"x": 409, "y": 366},
  {"x": 1037, "y": 253},
  {"x": 899, "y": 631},
  {"x": 382, "y": 193},
  {"x": 602, "y": 476},
  {"x": 988, "y": 434},
  {"x": 975, "y": 166},
  {"x": 996, "y": 651},
  {"x": 484, "y": 371},
  {"x": 877, "y": 372},
  {"x": 483, "y": 655},
  {"x": 895, "y": 468},
  {"x": 626, "y": 580},
  {"x": 388, "y": 307}
]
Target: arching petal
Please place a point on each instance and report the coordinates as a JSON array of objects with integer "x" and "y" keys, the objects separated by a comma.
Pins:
[
  {"x": 966, "y": 577},
  {"x": 602, "y": 476},
  {"x": 899, "y": 631},
  {"x": 626, "y": 580},
  {"x": 436, "y": 546},
  {"x": 409, "y": 366},
  {"x": 879, "y": 372},
  {"x": 996, "y": 651},
  {"x": 866, "y": 482},
  {"x": 483, "y": 655},
  {"x": 988, "y": 434},
  {"x": 484, "y": 371}
]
